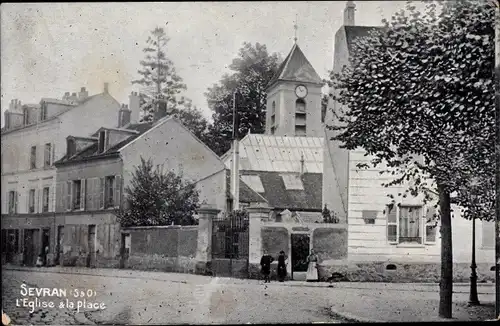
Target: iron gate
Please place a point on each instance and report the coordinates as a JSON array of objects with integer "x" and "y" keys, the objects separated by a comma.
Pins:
[{"x": 230, "y": 244}]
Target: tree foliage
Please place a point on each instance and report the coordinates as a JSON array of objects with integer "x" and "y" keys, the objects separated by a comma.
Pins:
[
  {"x": 420, "y": 100},
  {"x": 422, "y": 87},
  {"x": 252, "y": 69},
  {"x": 192, "y": 118},
  {"x": 158, "y": 198},
  {"x": 160, "y": 83}
]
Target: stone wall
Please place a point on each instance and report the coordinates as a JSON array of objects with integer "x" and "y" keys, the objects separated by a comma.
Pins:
[
  {"x": 329, "y": 243},
  {"x": 404, "y": 272},
  {"x": 164, "y": 248}
]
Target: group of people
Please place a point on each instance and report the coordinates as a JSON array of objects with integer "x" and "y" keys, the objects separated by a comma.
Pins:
[{"x": 266, "y": 261}]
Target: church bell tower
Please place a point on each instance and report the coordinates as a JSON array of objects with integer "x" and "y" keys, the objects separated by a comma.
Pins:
[{"x": 294, "y": 98}]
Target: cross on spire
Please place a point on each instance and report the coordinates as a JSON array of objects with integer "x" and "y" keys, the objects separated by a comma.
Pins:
[{"x": 295, "y": 27}]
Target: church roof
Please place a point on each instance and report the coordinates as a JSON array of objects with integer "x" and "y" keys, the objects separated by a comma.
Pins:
[
  {"x": 260, "y": 152},
  {"x": 280, "y": 195},
  {"x": 296, "y": 67}
]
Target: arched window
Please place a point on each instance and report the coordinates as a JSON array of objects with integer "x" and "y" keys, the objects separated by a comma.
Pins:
[
  {"x": 273, "y": 117},
  {"x": 300, "y": 106},
  {"x": 300, "y": 117}
]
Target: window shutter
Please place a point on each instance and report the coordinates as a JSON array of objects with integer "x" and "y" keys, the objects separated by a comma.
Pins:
[
  {"x": 430, "y": 225},
  {"x": 59, "y": 197},
  {"x": 83, "y": 194},
  {"x": 118, "y": 186},
  {"x": 69, "y": 196},
  {"x": 53, "y": 157},
  {"x": 392, "y": 223},
  {"x": 37, "y": 201},
  {"x": 28, "y": 201},
  {"x": 51, "y": 198},
  {"x": 16, "y": 198},
  {"x": 102, "y": 189},
  {"x": 90, "y": 194}
]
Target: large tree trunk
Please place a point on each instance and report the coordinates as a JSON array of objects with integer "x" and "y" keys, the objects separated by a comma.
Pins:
[{"x": 446, "y": 284}]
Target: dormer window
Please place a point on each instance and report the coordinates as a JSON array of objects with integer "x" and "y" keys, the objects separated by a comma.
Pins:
[
  {"x": 102, "y": 141},
  {"x": 70, "y": 147},
  {"x": 43, "y": 112}
]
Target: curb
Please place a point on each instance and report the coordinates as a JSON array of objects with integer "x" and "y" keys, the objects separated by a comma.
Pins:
[{"x": 352, "y": 318}]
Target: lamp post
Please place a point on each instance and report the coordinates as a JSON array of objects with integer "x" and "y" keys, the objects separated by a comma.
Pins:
[{"x": 473, "y": 299}]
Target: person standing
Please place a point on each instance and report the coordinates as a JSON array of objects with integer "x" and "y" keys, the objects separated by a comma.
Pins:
[
  {"x": 312, "y": 268},
  {"x": 282, "y": 266},
  {"x": 265, "y": 264}
]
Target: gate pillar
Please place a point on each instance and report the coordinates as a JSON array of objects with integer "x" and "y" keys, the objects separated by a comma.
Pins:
[
  {"x": 204, "y": 249},
  {"x": 257, "y": 213}
]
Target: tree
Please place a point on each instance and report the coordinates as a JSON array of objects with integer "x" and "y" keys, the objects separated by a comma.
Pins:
[
  {"x": 159, "y": 80},
  {"x": 158, "y": 198},
  {"x": 252, "y": 71},
  {"x": 192, "y": 118},
  {"x": 419, "y": 96}
]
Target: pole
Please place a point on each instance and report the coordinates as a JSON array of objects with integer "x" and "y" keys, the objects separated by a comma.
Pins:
[
  {"x": 473, "y": 299},
  {"x": 236, "y": 160},
  {"x": 497, "y": 159}
]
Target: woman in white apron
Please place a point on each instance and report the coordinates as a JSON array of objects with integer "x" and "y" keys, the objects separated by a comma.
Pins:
[{"x": 312, "y": 269}]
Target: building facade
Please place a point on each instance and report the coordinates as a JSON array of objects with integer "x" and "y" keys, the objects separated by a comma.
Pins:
[
  {"x": 92, "y": 176},
  {"x": 33, "y": 138}
]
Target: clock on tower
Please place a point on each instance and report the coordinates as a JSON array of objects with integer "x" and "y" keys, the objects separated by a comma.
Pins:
[{"x": 301, "y": 91}]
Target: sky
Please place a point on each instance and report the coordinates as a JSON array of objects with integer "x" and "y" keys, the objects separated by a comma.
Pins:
[{"x": 52, "y": 48}]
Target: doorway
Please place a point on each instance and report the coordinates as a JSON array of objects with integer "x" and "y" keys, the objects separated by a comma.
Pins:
[
  {"x": 30, "y": 245},
  {"x": 45, "y": 244},
  {"x": 125, "y": 250},
  {"x": 300, "y": 251},
  {"x": 91, "y": 257},
  {"x": 59, "y": 245}
]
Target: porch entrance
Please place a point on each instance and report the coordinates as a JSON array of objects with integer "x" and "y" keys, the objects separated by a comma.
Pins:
[
  {"x": 300, "y": 251},
  {"x": 124, "y": 250},
  {"x": 230, "y": 246}
]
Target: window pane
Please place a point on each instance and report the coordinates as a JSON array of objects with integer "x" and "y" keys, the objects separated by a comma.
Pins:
[{"x": 392, "y": 233}]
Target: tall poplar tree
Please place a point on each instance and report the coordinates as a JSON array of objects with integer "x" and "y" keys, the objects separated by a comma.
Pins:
[{"x": 159, "y": 81}]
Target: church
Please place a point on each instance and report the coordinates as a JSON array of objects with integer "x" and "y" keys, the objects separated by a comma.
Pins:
[
  {"x": 296, "y": 169},
  {"x": 284, "y": 166}
]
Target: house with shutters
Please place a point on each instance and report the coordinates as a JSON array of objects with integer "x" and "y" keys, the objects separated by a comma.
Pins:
[
  {"x": 32, "y": 139},
  {"x": 92, "y": 176},
  {"x": 400, "y": 239}
]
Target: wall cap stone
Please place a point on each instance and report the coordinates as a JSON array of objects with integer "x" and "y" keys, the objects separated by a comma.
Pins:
[{"x": 208, "y": 209}]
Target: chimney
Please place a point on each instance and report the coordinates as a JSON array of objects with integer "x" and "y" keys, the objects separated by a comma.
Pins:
[
  {"x": 134, "y": 107},
  {"x": 106, "y": 88},
  {"x": 349, "y": 13},
  {"x": 123, "y": 116},
  {"x": 72, "y": 98},
  {"x": 83, "y": 94},
  {"x": 302, "y": 164}
]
